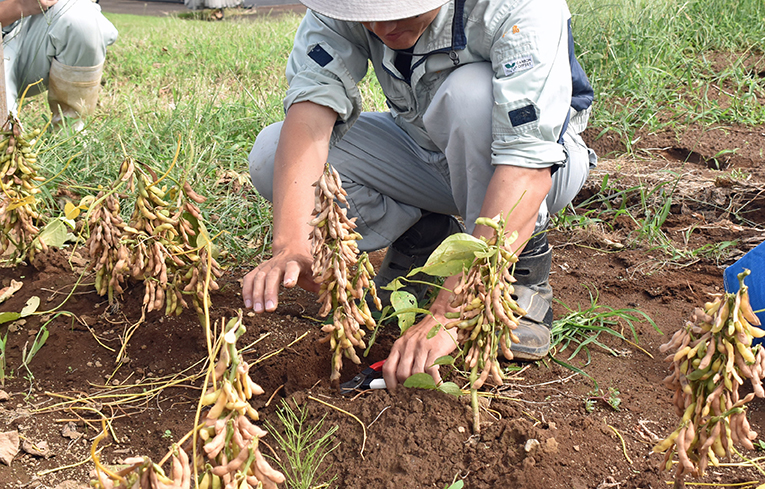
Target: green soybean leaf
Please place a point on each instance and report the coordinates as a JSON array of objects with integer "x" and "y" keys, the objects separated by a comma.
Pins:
[
  {"x": 40, "y": 339},
  {"x": 434, "y": 331},
  {"x": 53, "y": 234},
  {"x": 6, "y": 317},
  {"x": 481, "y": 255},
  {"x": 203, "y": 239},
  {"x": 450, "y": 388},
  {"x": 444, "y": 360},
  {"x": 196, "y": 226},
  {"x": 394, "y": 284},
  {"x": 454, "y": 254},
  {"x": 402, "y": 300},
  {"x": 420, "y": 381}
]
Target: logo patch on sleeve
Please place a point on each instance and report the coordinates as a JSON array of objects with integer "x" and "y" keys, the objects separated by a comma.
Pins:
[
  {"x": 319, "y": 55},
  {"x": 524, "y": 115},
  {"x": 516, "y": 65}
]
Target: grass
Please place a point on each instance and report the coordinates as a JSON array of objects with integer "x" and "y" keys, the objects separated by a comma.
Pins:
[
  {"x": 210, "y": 85},
  {"x": 655, "y": 64},
  {"x": 580, "y": 329},
  {"x": 3, "y": 360},
  {"x": 305, "y": 447},
  {"x": 215, "y": 85},
  {"x": 646, "y": 208}
]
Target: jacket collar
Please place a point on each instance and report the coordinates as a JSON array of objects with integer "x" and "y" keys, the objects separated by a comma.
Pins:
[{"x": 445, "y": 34}]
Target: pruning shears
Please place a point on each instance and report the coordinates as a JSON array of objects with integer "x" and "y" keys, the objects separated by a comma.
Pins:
[{"x": 369, "y": 378}]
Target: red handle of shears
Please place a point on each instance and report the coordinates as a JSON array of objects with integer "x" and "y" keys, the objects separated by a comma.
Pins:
[{"x": 377, "y": 366}]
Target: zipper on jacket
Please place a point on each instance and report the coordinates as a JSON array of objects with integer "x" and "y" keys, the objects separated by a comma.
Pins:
[{"x": 459, "y": 41}]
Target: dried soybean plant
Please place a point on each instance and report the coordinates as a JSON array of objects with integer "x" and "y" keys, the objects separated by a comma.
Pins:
[
  {"x": 110, "y": 257},
  {"x": 486, "y": 312},
  {"x": 710, "y": 359},
  {"x": 141, "y": 472},
  {"x": 225, "y": 444},
  {"x": 165, "y": 244},
  {"x": 228, "y": 438},
  {"x": 344, "y": 274},
  {"x": 173, "y": 251},
  {"x": 19, "y": 215}
]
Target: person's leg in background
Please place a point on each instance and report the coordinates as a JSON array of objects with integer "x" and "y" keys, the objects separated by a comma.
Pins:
[{"x": 65, "y": 48}]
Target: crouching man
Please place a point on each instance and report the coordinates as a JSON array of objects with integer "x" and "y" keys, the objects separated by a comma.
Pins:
[{"x": 487, "y": 101}]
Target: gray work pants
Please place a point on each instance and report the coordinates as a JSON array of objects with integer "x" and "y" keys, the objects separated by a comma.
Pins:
[
  {"x": 390, "y": 179},
  {"x": 74, "y": 32}
]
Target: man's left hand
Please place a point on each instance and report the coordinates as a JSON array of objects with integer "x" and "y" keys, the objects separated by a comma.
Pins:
[{"x": 414, "y": 353}]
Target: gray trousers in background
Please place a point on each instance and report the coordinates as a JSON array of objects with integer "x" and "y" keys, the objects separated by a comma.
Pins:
[
  {"x": 74, "y": 32},
  {"x": 390, "y": 179}
]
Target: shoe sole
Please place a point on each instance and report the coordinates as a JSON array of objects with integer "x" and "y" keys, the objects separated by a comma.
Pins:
[{"x": 529, "y": 354}]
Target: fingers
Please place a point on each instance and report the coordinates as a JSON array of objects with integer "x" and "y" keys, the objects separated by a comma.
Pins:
[
  {"x": 248, "y": 289},
  {"x": 390, "y": 367},
  {"x": 401, "y": 361},
  {"x": 291, "y": 274},
  {"x": 433, "y": 370},
  {"x": 271, "y": 292},
  {"x": 415, "y": 353},
  {"x": 260, "y": 288},
  {"x": 418, "y": 363}
]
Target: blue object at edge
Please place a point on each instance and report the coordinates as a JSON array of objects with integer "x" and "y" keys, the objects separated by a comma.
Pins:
[{"x": 754, "y": 260}]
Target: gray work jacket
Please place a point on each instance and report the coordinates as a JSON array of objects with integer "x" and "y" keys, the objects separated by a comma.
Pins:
[{"x": 528, "y": 42}]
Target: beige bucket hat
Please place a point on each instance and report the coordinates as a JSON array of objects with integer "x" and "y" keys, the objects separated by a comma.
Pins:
[{"x": 372, "y": 10}]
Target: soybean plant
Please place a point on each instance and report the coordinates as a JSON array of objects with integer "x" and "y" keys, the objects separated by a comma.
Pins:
[
  {"x": 344, "y": 274},
  {"x": 485, "y": 313},
  {"x": 165, "y": 244},
  {"x": 710, "y": 358},
  {"x": 226, "y": 444},
  {"x": 19, "y": 215}
]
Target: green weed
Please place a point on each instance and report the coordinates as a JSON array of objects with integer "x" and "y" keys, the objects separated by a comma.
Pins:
[
  {"x": 612, "y": 399},
  {"x": 305, "y": 446},
  {"x": 27, "y": 355},
  {"x": 580, "y": 329}
]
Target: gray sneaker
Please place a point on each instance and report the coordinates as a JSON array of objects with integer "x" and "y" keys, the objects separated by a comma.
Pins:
[
  {"x": 534, "y": 294},
  {"x": 412, "y": 250}
]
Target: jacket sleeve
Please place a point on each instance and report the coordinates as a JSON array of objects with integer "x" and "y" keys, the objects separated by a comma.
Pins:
[
  {"x": 532, "y": 84},
  {"x": 328, "y": 59}
]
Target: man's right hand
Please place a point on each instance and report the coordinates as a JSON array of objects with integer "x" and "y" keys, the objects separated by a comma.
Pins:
[
  {"x": 288, "y": 267},
  {"x": 260, "y": 287}
]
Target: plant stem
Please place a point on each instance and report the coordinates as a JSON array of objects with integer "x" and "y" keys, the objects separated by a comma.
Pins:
[{"x": 474, "y": 400}]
